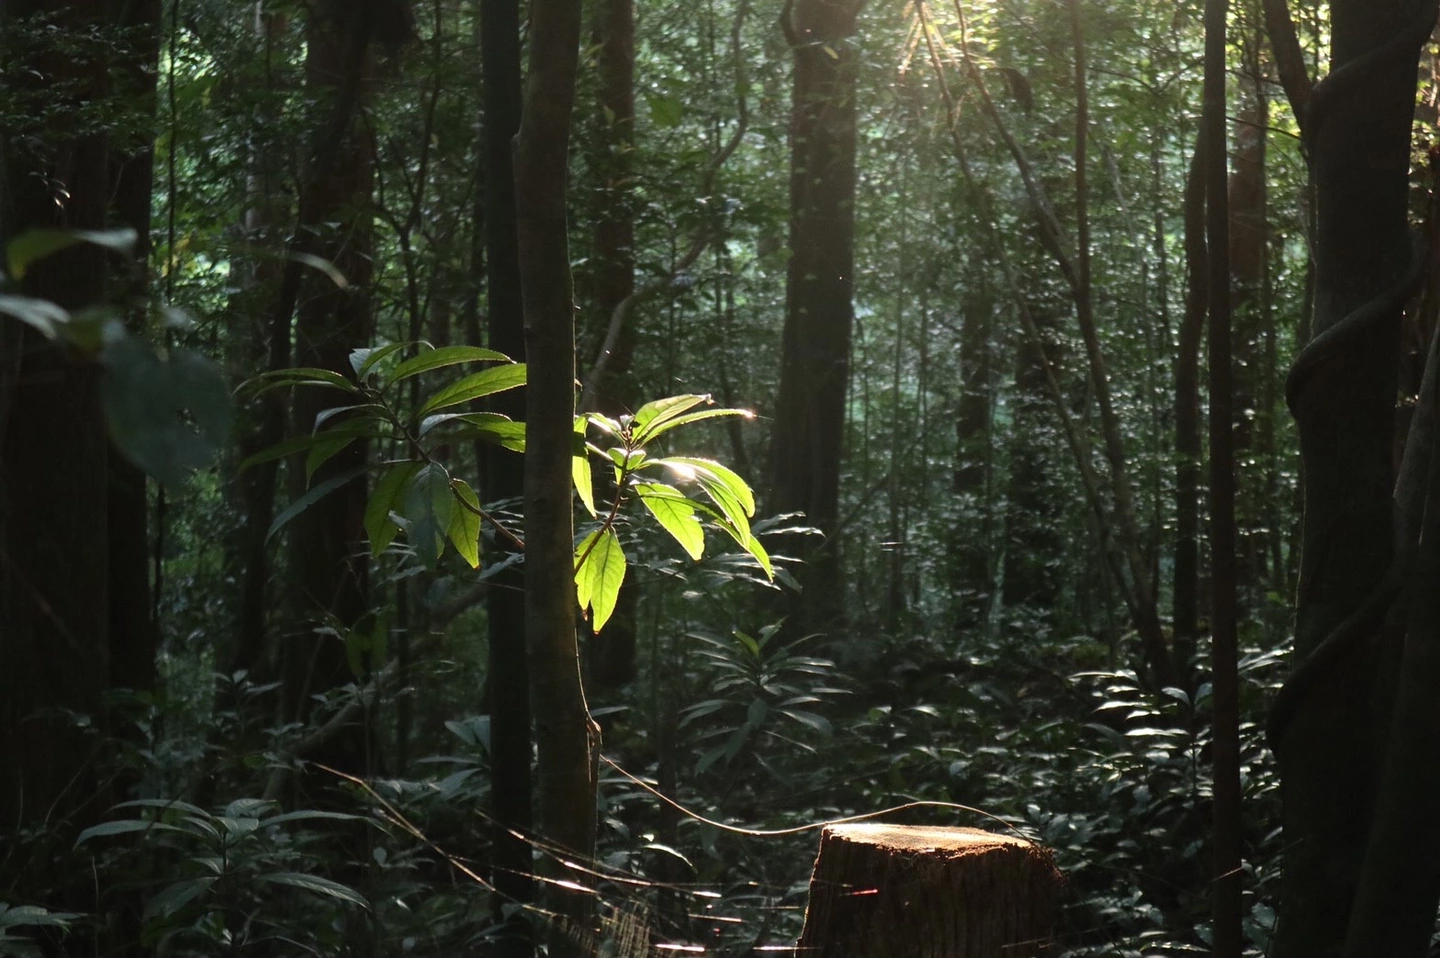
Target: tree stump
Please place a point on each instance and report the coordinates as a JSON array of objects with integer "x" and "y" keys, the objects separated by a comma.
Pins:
[{"x": 900, "y": 891}]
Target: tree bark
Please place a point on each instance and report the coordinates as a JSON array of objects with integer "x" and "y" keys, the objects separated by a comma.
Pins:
[
  {"x": 1187, "y": 416},
  {"x": 1227, "y": 939},
  {"x": 565, "y": 735},
  {"x": 807, "y": 443},
  {"x": 1332, "y": 715},
  {"x": 327, "y": 578},
  {"x": 507, "y": 673}
]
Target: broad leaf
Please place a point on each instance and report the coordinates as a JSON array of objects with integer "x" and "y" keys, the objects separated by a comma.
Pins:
[
  {"x": 444, "y": 356},
  {"x": 654, "y": 414},
  {"x": 476, "y": 386},
  {"x": 170, "y": 417},
  {"x": 311, "y": 497},
  {"x": 658, "y": 428},
  {"x": 34, "y": 245},
  {"x": 599, "y": 573},
  {"x": 428, "y": 504},
  {"x": 45, "y": 316},
  {"x": 364, "y": 361},
  {"x": 580, "y": 470},
  {"x": 464, "y": 531},
  {"x": 318, "y": 885},
  {"x": 675, "y": 513},
  {"x": 378, "y": 525}
]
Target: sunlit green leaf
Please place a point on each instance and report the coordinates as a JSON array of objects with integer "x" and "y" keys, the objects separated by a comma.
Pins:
[
  {"x": 675, "y": 513},
  {"x": 599, "y": 573},
  {"x": 660, "y": 411},
  {"x": 580, "y": 472}
]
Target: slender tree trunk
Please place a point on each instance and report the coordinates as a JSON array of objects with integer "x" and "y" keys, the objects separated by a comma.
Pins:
[
  {"x": 133, "y": 633},
  {"x": 1225, "y": 886},
  {"x": 507, "y": 672},
  {"x": 806, "y": 446},
  {"x": 612, "y": 652},
  {"x": 1187, "y": 417},
  {"x": 566, "y": 737}
]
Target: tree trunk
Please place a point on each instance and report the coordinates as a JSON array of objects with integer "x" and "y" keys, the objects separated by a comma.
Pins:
[
  {"x": 327, "y": 577},
  {"x": 565, "y": 735},
  {"x": 899, "y": 891},
  {"x": 54, "y": 472},
  {"x": 504, "y": 478},
  {"x": 1187, "y": 417},
  {"x": 1226, "y": 838},
  {"x": 612, "y": 652},
  {"x": 806, "y": 446},
  {"x": 1332, "y": 715}
]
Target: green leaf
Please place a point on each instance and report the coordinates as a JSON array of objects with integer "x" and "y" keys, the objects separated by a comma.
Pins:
[
  {"x": 34, "y": 245},
  {"x": 296, "y": 376},
  {"x": 486, "y": 426},
  {"x": 318, "y": 885},
  {"x": 580, "y": 471},
  {"x": 428, "y": 504},
  {"x": 174, "y": 897},
  {"x": 464, "y": 531},
  {"x": 124, "y": 826},
  {"x": 170, "y": 417},
  {"x": 378, "y": 525},
  {"x": 675, "y": 513},
  {"x": 655, "y": 413},
  {"x": 311, "y": 497},
  {"x": 475, "y": 386},
  {"x": 666, "y": 111},
  {"x": 444, "y": 356},
  {"x": 330, "y": 445},
  {"x": 737, "y": 487},
  {"x": 599, "y": 572},
  {"x": 750, "y": 544},
  {"x": 42, "y": 314},
  {"x": 363, "y": 361},
  {"x": 281, "y": 449},
  {"x": 657, "y": 429}
]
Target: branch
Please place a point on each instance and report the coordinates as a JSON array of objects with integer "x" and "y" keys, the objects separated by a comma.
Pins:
[{"x": 1289, "y": 59}]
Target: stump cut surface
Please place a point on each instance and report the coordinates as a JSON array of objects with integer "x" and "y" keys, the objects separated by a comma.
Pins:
[{"x": 903, "y": 891}]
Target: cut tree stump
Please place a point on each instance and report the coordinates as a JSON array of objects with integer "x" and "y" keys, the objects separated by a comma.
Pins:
[{"x": 901, "y": 891}]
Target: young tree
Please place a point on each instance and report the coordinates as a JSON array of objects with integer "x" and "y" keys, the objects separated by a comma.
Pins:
[
  {"x": 565, "y": 735},
  {"x": 507, "y": 670},
  {"x": 814, "y": 364}
]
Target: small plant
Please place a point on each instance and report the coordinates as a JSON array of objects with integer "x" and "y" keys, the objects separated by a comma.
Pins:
[
  {"x": 417, "y": 493},
  {"x": 227, "y": 870}
]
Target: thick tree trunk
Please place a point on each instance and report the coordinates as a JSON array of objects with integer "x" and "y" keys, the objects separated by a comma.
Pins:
[
  {"x": 54, "y": 475},
  {"x": 806, "y": 446},
  {"x": 504, "y": 479},
  {"x": 900, "y": 891},
  {"x": 565, "y": 735},
  {"x": 1333, "y": 713},
  {"x": 328, "y": 569}
]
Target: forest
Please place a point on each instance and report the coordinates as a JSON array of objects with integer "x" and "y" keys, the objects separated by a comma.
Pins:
[{"x": 515, "y": 479}]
